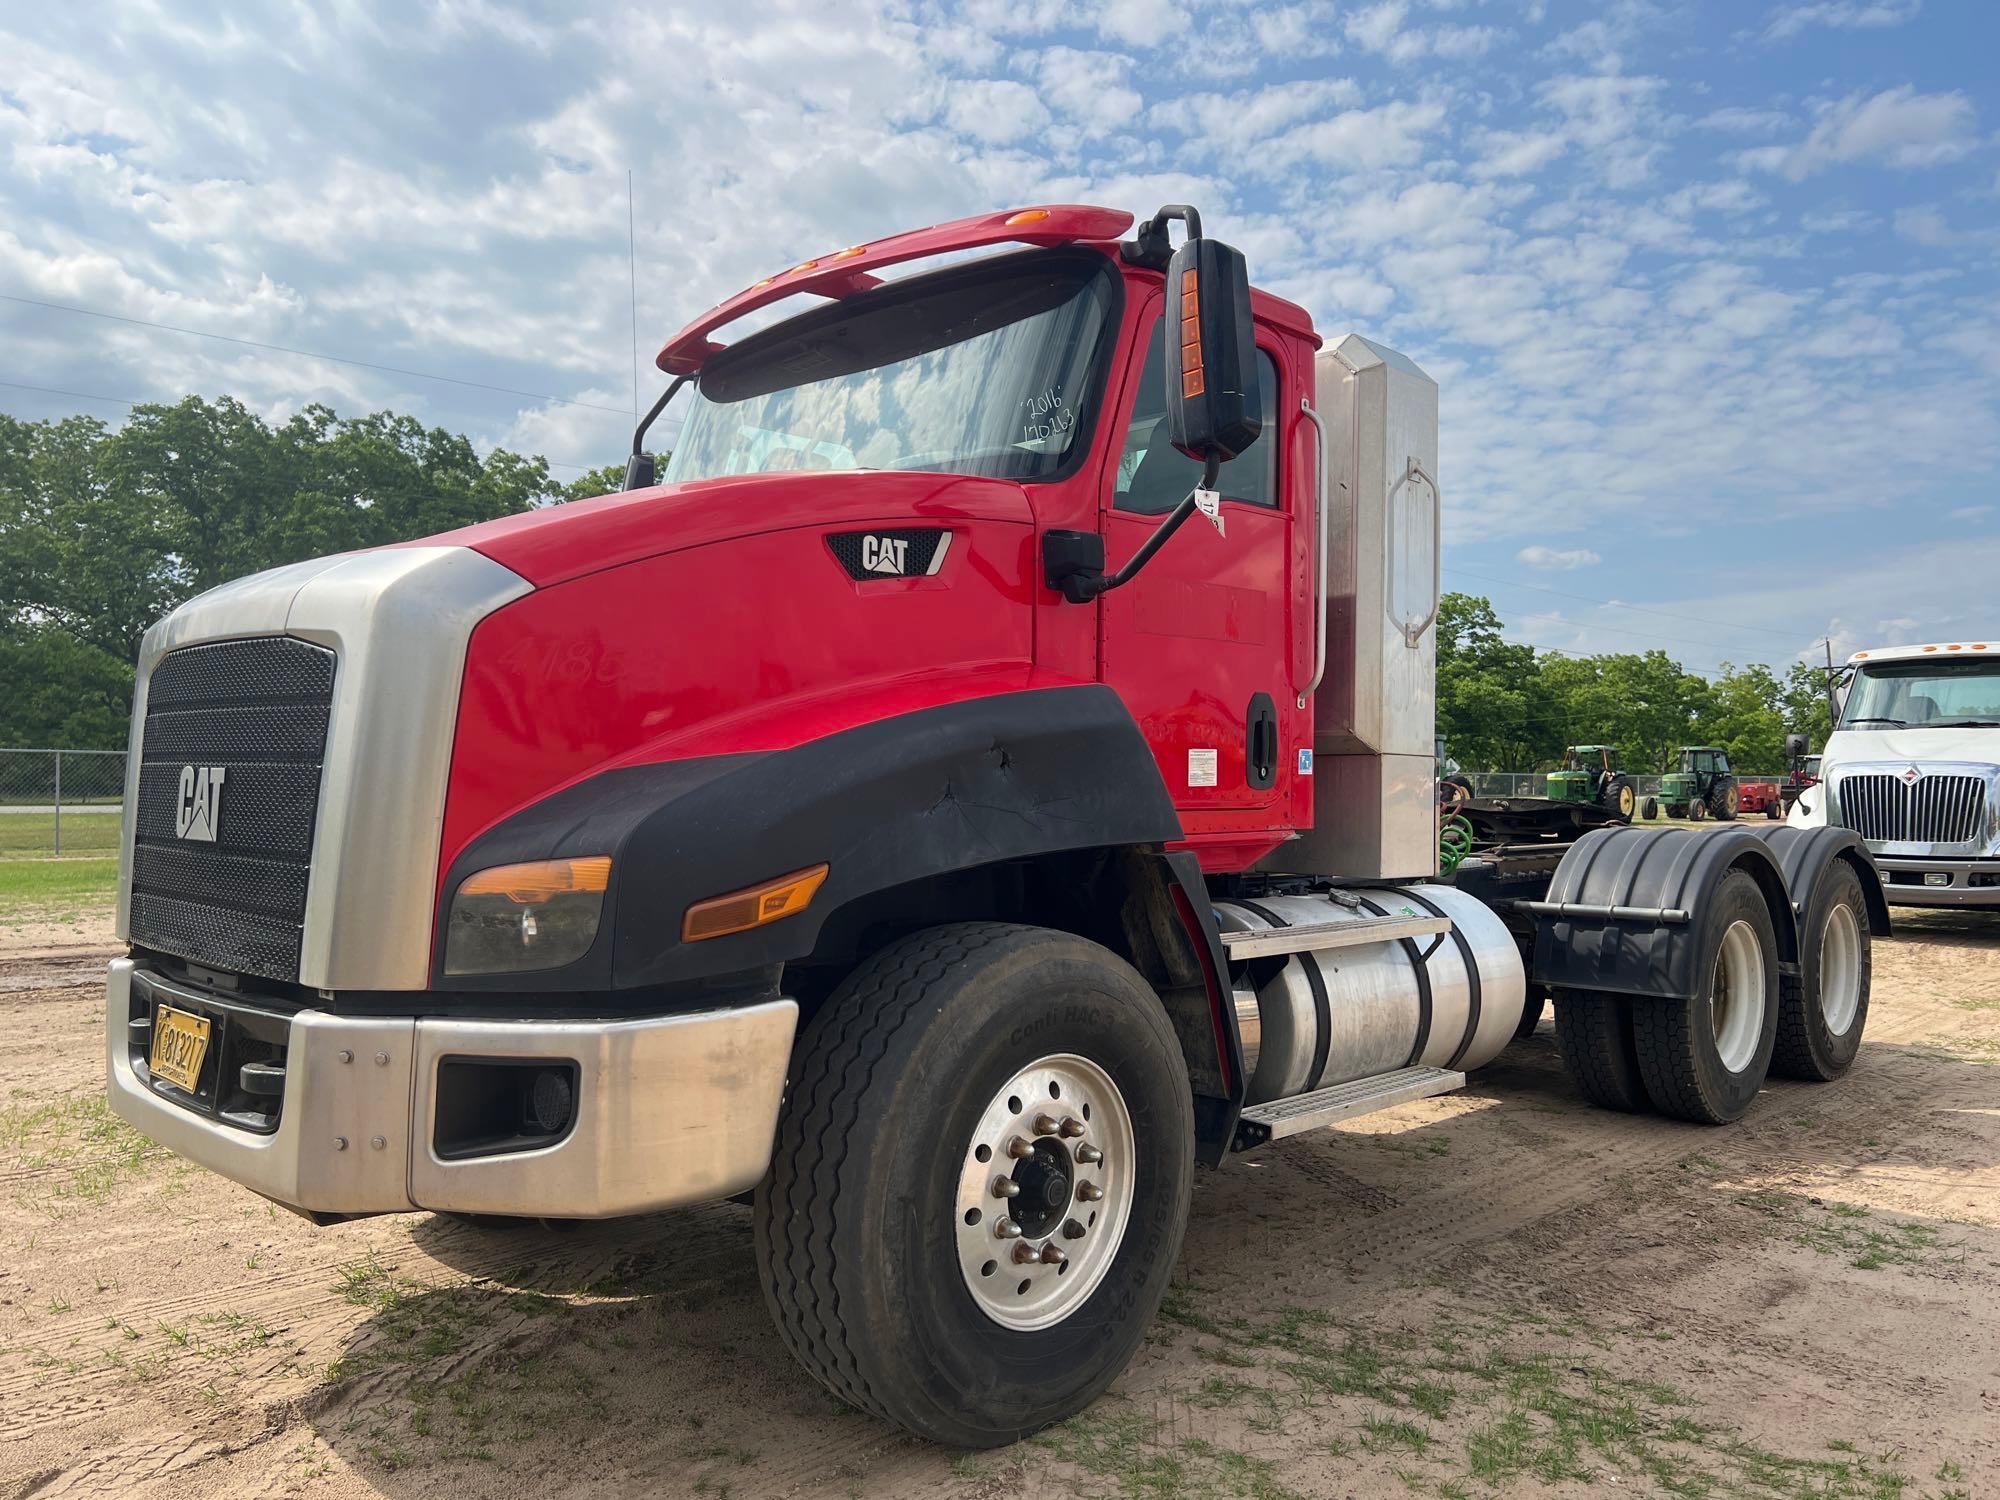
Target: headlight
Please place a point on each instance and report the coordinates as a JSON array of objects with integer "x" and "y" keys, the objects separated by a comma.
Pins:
[{"x": 517, "y": 918}]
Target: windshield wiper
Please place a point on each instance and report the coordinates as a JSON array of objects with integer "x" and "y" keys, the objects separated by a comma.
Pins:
[
  {"x": 1894, "y": 723},
  {"x": 1962, "y": 724}
]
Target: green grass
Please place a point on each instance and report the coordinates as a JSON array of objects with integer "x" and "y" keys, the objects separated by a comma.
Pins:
[
  {"x": 55, "y": 887},
  {"x": 1506, "y": 1397},
  {"x": 33, "y": 834},
  {"x": 89, "y": 1153}
]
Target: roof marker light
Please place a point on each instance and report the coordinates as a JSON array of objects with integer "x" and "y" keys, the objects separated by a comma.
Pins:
[
  {"x": 849, "y": 253},
  {"x": 804, "y": 265},
  {"x": 1930, "y": 648},
  {"x": 1026, "y": 216}
]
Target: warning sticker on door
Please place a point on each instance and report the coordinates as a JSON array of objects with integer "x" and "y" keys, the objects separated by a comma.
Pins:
[
  {"x": 1305, "y": 762},
  {"x": 1201, "y": 767}
]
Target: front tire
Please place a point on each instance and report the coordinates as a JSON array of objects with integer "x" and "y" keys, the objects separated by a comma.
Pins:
[
  {"x": 922, "y": 1060},
  {"x": 1705, "y": 1057},
  {"x": 1822, "y": 1011}
]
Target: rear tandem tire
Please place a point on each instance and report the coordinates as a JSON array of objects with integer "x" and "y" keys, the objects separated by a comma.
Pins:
[
  {"x": 873, "y": 1221},
  {"x": 1823, "y": 1009},
  {"x": 1705, "y": 1057},
  {"x": 1594, "y": 1035}
]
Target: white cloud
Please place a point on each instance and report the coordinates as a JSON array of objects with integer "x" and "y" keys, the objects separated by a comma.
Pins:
[
  {"x": 994, "y": 110},
  {"x": 1970, "y": 513},
  {"x": 1549, "y": 560},
  {"x": 1738, "y": 121},
  {"x": 1898, "y": 127},
  {"x": 1380, "y": 29},
  {"x": 1848, "y": 15}
]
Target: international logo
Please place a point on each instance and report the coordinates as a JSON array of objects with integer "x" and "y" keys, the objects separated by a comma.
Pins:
[
  {"x": 1912, "y": 775},
  {"x": 885, "y": 554},
  {"x": 198, "y": 807}
]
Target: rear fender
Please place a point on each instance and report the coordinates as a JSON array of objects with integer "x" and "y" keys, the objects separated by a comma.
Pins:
[
  {"x": 1804, "y": 853},
  {"x": 1580, "y": 944}
]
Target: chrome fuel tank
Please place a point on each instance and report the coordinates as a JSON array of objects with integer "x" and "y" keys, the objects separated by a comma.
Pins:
[{"x": 1317, "y": 1018}]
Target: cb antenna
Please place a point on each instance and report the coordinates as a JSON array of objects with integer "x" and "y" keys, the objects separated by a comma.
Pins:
[{"x": 632, "y": 266}]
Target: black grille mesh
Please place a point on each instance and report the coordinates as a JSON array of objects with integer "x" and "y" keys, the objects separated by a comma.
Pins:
[
  {"x": 258, "y": 709},
  {"x": 853, "y": 552}
]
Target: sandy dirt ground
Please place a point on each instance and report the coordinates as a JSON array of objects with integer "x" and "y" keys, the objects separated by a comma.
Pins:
[{"x": 1497, "y": 1292}]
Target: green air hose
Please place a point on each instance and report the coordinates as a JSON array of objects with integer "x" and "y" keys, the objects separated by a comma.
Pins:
[{"x": 1454, "y": 842}]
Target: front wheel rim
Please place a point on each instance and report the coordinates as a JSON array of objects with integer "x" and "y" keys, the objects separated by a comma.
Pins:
[
  {"x": 1045, "y": 1192},
  {"x": 1840, "y": 970},
  {"x": 1737, "y": 999}
]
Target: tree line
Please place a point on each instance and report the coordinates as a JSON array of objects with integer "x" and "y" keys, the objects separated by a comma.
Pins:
[
  {"x": 104, "y": 531},
  {"x": 1508, "y": 707}
]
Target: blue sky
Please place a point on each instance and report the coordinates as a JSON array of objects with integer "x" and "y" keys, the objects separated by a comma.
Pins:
[{"x": 1712, "y": 289}]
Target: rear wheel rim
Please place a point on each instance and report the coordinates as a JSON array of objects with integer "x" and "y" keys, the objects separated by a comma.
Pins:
[
  {"x": 1840, "y": 970},
  {"x": 1045, "y": 1192},
  {"x": 1737, "y": 999}
]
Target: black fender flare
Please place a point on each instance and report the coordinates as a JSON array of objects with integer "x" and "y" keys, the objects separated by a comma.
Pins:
[
  {"x": 1611, "y": 878},
  {"x": 980, "y": 781},
  {"x": 1804, "y": 853}
]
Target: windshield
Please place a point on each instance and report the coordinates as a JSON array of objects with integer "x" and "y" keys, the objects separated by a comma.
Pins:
[
  {"x": 1924, "y": 695},
  {"x": 989, "y": 369}
]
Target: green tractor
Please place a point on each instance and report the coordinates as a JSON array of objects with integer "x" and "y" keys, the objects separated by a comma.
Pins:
[
  {"x": 1703, "y": 787},
  {"x": 1590, "y": 774}
]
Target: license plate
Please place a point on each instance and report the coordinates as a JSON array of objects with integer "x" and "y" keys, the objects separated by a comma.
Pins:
[{"x": 180, "y": 1042}]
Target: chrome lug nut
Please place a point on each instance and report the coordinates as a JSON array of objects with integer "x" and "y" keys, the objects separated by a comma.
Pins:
[
  {"x": 1073, "y": 1230},
  {"x": 1090, "y": 1156},
  {"x": 1020, "y": 1146},
  {"x": 1089, "y": 1192},
  {"x": 1027, "y": 1255},
  {"x": 1047, "y": 1125},
  {"x": 1071, "y": 1127},
  {"x": 1006, "y": 1187},
  {"x": 1007, "y": 1229},
  {"x": 1052, "y": 1255}
]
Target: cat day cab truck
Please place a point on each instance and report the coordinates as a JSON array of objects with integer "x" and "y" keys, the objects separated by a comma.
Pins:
[
  {"x": 1913, "y": 767},
  {"x": 992, "y": 773}
]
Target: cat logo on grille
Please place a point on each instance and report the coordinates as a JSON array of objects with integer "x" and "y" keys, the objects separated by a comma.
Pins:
[{"x": 198, "y": 807}]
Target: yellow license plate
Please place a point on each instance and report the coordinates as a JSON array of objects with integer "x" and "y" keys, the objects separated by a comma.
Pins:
[{"x": 180, "y": 1042}]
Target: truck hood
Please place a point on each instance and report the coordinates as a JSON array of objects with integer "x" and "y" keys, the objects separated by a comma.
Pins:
[
  {"x": 1920, "y": 745},
  {"x": 561, "y": 542}
]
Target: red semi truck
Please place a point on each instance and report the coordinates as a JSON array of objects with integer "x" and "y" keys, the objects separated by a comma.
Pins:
[{"x": 834, "y": 823}]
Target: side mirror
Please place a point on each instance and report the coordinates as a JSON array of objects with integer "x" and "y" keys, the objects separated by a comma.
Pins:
[
  {"x": 1795, "y": 746},
  {"x": 638, "y": 472},
  {"x": 1214, "y": 408}
]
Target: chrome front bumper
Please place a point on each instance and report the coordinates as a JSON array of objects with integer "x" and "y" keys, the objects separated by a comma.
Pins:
[
  {"x": 669, "y": 1110},
  {"x": 1959, "y": 873}
]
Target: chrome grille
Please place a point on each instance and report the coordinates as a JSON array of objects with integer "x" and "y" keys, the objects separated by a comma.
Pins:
[{"x": 1930, "y": 810}]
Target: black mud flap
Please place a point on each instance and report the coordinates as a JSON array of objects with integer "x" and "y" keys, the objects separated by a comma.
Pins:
[{"x": 1620, "y": 912}]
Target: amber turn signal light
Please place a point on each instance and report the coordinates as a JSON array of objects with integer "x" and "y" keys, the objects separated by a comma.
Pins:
[
  {"x": 532, "y": 884},
  {"x": 739, "y": 911}
]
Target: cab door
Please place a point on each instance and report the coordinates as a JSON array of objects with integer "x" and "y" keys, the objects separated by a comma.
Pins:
[{"x": 1200, "y": 643}]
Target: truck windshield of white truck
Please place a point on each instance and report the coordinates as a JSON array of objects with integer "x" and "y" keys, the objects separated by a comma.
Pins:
[
  {"x": 973, "y": 370},
  {"x": 1963, "y": 694}
]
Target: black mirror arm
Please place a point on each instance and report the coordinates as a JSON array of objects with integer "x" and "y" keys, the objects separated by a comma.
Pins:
[
  {"x": 1082, "y": 587},
  {"x": 639, "y": 467}
]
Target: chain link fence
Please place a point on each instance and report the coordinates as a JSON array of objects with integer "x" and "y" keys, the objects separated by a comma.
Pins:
[
  {"x": 60, "y": 802},
  {"x": 1535, "y": 783}
]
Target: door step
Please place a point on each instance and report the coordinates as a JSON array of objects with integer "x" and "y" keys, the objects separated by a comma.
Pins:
[
  {"x": 1343, "y": 1101},
  {"x": 1321, "y": 935}
]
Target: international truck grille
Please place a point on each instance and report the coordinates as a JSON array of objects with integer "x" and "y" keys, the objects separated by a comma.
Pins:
[
  {"x": 229, "y": 776},
  {"x": 1928, "y": 810}
]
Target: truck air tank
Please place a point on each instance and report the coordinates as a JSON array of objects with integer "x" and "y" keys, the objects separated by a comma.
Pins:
[{"x": 1312, "y": 1019}]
